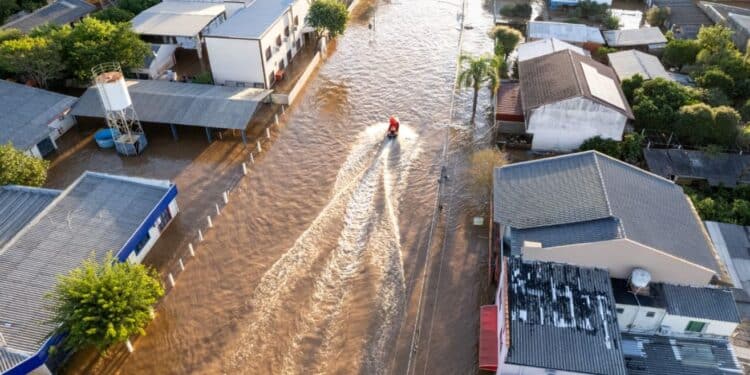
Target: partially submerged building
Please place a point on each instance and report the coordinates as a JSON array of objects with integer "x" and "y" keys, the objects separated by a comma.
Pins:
[
  {"x": 47, "y": 233},
  {"x": 33, "y": 118},
  {"x": 568, "y": 98},
  {"x": 574, "y": 33},
  {"x": 631, "y": 62},
  {"x": 59, "y": 12},
  {"x": 691, "y": 167},
  {"x": 256, "y": 45},
  {"x": 592, "y": 210},
  {"x": 648, "y": 39},
  {"x": 188, "y": 104}
]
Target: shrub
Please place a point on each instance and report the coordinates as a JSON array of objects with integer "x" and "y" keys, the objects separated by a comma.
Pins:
[
  {"x": 695, "y": 123},
  {"x": 745, "y": 110},
  {"x": 715, "y": 78},
  {"x": 726, "y": 125},
  {"x": 657, "y": 16},
  {"x": 611, "y": 22},
  {"x": 629, "y": 85},
  {"x": 114, "y": 15},
  {"x": 17, "y": 168},
  {"x": 680, "y": 52},
  {"x": 517, "y": 10},
  {"x": 715, "y": 97},
  {"x": 629, "y": 150}
]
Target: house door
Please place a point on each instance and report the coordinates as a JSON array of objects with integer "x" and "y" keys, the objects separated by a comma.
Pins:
[{"x": 45, "y": 147}]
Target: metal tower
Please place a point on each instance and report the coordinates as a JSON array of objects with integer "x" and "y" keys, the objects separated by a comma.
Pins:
[{"x": 119, "y": 113}]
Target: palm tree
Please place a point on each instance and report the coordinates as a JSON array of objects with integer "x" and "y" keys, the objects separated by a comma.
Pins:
[
  {"x": 495, "y": 73},
  {"x": 474, "y": 72}
]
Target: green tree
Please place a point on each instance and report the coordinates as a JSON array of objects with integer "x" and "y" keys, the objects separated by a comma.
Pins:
[
  {"x": 695, "y": 123},
  {"x": 32, "y": 57},
  {"x": 715, "y": 39},
  {"x": 114, "y": 15},
  {"x": 631, "y": 148},
  {"x": 496, "y": 72},
  {"x": 506, "y": 39},
  {"x": 657, "y": 101},
  {"x": 328, "y": 16},
  {"x": 716, "y": 78},
  {"x": 601, "y": 54},
  {"x": 606, "y": 146},
  {"x": 745, "y": 110},
  {"x": 7, "y": 9},
  {"x": 726, "y": 125},
  {"x": 611, "y": 22},
  {"x": 629, "y": 85},
  {"x": 17, "y": 168},
  {"x": 136, "y": 6},
  {"x": 101, "y": 304},
  {"x": 10, "y": 34},
  {"x": 715, "y": 97},
  {"x": 743, "y": 136},
  {"x": 658, "y": 16},
  {"x": 93, "y": 42},
  {"x": 474, "y": 73},
  {"x": 680, "y": 52}
]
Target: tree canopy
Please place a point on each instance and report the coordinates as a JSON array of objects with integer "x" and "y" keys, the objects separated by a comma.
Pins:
[
  {"x": 657, "y": 16},
  {"x": 17, "y": 168},
  {"x": 101, "y": 304},
  {"x": 506, "y": 39},
  {"x": 628, "y": 150},
  {"x": 136, "y": 6},
  {"x": 475, "y": 71},
  {"x": 656, "y": 102},
  {"x": 33, "y": 58},
  {"x": 328, "y": 16},
  {"x": 680, "y": 52},
  {"x": 114, "y": 15}
]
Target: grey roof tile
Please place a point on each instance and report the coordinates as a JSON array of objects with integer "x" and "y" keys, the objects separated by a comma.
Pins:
[
  {"x": 60, "y": 12},
  {"x": 660, "y": 355},
  {"x": 634, "y": 37},
  {"x": 706, "y": 303},
  {"x": 717, "y": 169},
  {"x": 18, "y": 205},
  {"x": 562, "y": 317},
  {"x": 567, "y": 234}
]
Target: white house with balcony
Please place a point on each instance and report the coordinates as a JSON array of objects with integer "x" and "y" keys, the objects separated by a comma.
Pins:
[{"x": 256, "y": 45}]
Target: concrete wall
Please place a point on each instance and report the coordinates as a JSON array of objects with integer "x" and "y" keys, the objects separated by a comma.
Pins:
[
  {"x": 621, "y": 256},
  {"x": 564, "y": 125},
  {"x": 635, "y": 318},
  {"x": 677, "y": 325},
  {"x": 289, "y": 98},
  {"x": 279, "y": 53},
  {"x": 235, "y": 60}
]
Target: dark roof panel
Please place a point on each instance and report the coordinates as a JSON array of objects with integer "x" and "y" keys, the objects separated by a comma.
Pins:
[
  {"x": 567, "y": 234},
  {"x": 717, "y": 169},
  {"x": 61, "y": 12},
  {"x": 562, "y": 317},
  {"x": 659, "y": 355},
  {"x": 704, "y": 303}
]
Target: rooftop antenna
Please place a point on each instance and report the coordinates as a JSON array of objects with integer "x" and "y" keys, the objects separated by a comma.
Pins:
[{"x": 127, "y": 133}]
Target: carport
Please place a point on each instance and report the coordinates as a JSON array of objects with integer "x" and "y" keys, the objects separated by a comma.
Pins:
[{"x": 188, "y": 104}]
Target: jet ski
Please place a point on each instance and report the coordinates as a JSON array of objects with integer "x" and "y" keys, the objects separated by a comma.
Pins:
[{"x": 393, "y": 125}]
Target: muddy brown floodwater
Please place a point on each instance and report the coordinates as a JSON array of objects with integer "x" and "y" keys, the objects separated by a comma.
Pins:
[{"x": 327, "y": 258}]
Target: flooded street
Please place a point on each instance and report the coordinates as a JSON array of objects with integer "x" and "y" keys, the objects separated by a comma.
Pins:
[{"x": 335, "y": 254}]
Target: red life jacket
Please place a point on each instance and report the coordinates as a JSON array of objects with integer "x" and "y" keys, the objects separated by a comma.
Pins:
[{"x": 393, "y": 124}]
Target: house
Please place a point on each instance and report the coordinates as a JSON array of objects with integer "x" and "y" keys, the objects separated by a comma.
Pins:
[
  {"x": 188, "y": 104},
  {"x": 509, "y": 117},
  {"x": 256, "y": 44},
  {"x": 33, "y": 118},
  {"x": 649, "y": 39},
  {"x": 542, "y": 47},
  {"x": 687, "y": 167},
  {"x": 733, "y": 17},
  {"x": 179, "y": 24},
  {"x": 568, "y": 98},
  {"x": 676, "y": 310},
  {"x": 591, "y": 210},
  {"x": 42, "y": 237},
  {"x": 551, "y": 318},
  {"x": 660, "y": 355},
  {"x": 574, "y": 33},
  {"x": 59, "y": 12},
  {"x": 631, "y": 62},
  {"x": 685, "y": 18}
]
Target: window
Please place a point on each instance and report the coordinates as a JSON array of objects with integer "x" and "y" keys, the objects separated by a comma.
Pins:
[
  {"x": 278, "y": 40},
  {"x": 694, "y": 326},
  {"x": 142, "y": 243},
  {"x": 620, "y": 310},
  {"x": 164, "y": 219},
  {"x": 296, "y": 20},
  {"x": 286, "y": 31},
  {"x": 650, "y": 314},
  {"x": 268, "y": 53},
  {"x": 298, "y": 43}
]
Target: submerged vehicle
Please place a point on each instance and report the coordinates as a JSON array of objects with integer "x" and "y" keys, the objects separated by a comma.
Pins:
[{"x": 393, "y": 125}]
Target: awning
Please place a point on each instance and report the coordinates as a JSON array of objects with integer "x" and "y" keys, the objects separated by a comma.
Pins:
[{"x": 488, "y": 338}]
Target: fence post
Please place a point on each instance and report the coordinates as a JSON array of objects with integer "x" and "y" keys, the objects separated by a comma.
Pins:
[
  {"x": 252, "y": 158},
  {"x": 129, "y": 345},
  {"x": 276, "y": 119},
  {"x": 182, "y": 265},
  {"x": 268, "y": 132},
  {"x": 191, "y": 249},
  {"x": 244, "y": 167},
  {"x": 226, "y": 197},
  {"x": 217, "y": 209},
  {"x": 210, "y": 223},
  {"x": 171, "y": 280},
  {"x": 200, "y": 235}
]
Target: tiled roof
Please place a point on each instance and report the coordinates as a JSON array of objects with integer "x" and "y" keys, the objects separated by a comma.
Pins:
[
  {"x": 509, "y": 101},
  {"x": 18, "y": 205},
  {"x": 718, "y": 169},
  {"x": 634, "y": 37},
  {"x": 704, "y": 303},
  {"x": 588, "y": 186},
  {"x": 567, "y": 234},
  {"x": 660, "y": 355},
  {"x": 26, "y": 112},
  {"x": 561, "y": 75},
  {"x": 563, "y": 317},
  {"x": 107, "y": 209}
]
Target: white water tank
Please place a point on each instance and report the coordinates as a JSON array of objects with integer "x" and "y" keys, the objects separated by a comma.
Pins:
[
  {"x": 113, "y": 90},
  {"x": 640, "y": 278}
]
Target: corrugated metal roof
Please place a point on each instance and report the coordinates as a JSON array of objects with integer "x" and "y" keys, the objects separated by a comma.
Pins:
[
  {"x": 569, "y": 32},
  {"x": 20, "y": 204},
  {"x": 563, "y": 317},
  {"x": 253, "y": 21},
  {"x": 530, "y": 50},
  {"x": 26, "y": 112},
  {"x": 661, "y": 355},
  {"x": 176, "y": 18},
  {"x": 634, "y": 37},
  {"x": 703, "y": 303},
  {"x": 561, "y": 75},
  {"x": 567, "y": 234},
  {"x": 96, "y": 214},
  {"x": 588, "y": 186},
  {"x": 61, "y": 12},
  {"x": 717, "y": 169},
  {"x": 180, "y": 103},
  {"x": 631, "y": 62},
  {"x": 8, "y": 358}
]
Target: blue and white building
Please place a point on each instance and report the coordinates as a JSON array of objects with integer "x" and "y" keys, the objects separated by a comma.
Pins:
[{"x": 46, "y": 233}]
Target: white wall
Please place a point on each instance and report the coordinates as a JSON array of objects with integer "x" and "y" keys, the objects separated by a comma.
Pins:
[
  {"x": 620, "y": 256},
  {"x": 677, "y": 325},
  {"x": 235, "y": 60},
  {"x": 279, "y": 53},
  {"x": 154, "y": 234},
  {"x": 564, "y": 125},
  {"x": 634, "y": 318}
]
